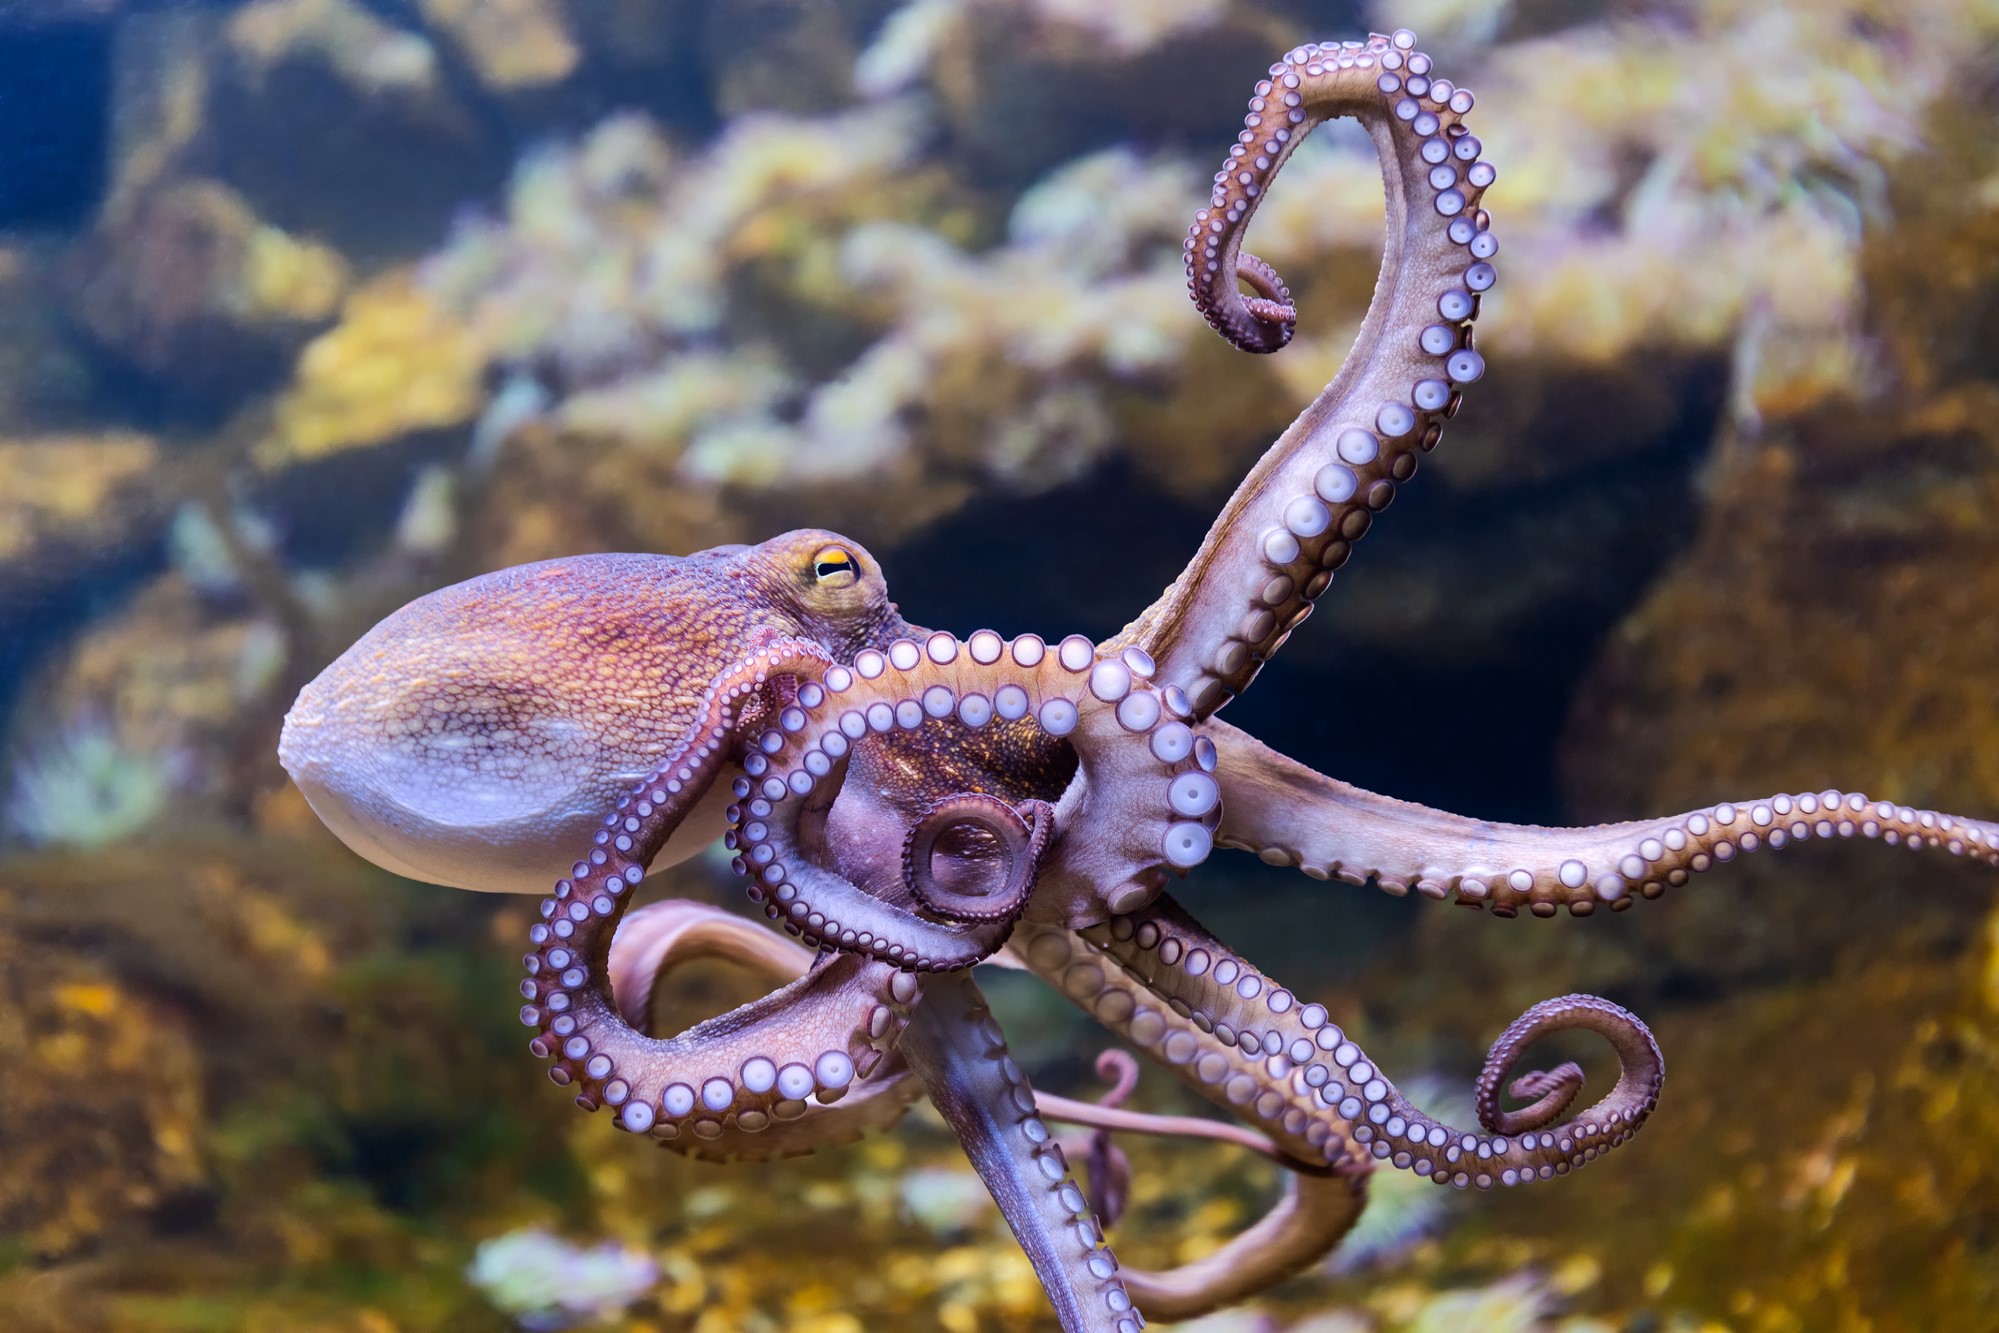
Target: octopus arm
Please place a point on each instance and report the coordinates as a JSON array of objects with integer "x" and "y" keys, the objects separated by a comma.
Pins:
[
  {"x": 660, "y": 936},
  {"x": 1264, "y": 1028},
  {"x": 960, "y": 1053},
  {"x": 1294, "y": 519},
  {"x": 810, "y": 1041},
  {"x": 1311, "y": 1217},
  {"x": 1208, "y": 1062},
  {"x": 1290, "y": 815},
  {"x": 1326, "y": 1170}
]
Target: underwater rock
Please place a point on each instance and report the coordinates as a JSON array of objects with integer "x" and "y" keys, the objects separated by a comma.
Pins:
[
  {"x": 336, "y": 120},
  {"x": 1796, "y": 1199},
  {"x": 103, "y": 1093},
  {"x": 44, "y": 382},
  {"x": 1831, "y": 623},
  {"x": 784, "y": 56},
  {"x": 1025, "y": 85},
  {"x": 70, "y": 505},
  {"x": 187, "y": 286}
]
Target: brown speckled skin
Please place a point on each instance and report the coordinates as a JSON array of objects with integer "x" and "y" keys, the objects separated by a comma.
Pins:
[{"x": 476, "y": 736}]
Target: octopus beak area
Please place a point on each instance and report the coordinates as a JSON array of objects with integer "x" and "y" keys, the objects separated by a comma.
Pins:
[{"x": 975, "y": 858}]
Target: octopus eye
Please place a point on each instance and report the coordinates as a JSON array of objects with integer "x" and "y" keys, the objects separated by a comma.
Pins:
[{"x": 835, "y": 567}]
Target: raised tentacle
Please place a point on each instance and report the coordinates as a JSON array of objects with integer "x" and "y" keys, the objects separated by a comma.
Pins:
[
  {"x": 1185, "y": 966},
  {"x": 960, "y": 1053},
  {"x": 656, "y": 937},
  {"x": 750, "y": 1068},
  {"x": 1289, "y": 814},
  {"x": 1143, "y": 788},
  {"x": 1294, "y": 519},
  {"x": 1266, "y": 1088}
]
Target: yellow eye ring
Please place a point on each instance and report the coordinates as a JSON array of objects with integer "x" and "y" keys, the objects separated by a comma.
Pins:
[{"x": 835, "y": 567}]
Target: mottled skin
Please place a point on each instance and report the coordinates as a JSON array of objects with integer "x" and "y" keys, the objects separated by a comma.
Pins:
[
  {"x": 477, "y": 728},
  {"x": 911, "y": 804}
]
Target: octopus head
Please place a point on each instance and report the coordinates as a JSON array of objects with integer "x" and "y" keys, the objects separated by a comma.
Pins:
[{"x": 477, "y": 734}]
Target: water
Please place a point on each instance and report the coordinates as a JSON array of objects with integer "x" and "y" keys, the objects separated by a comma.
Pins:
[{"x": 308, "y": 307}]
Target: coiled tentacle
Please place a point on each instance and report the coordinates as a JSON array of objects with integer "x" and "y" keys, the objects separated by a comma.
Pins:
[
  {"x": 653, "y": 939},
  {"x": 1165, "y": 949},
  {"x": 1289, "y": 814},
  {"x": 1144, "y": 788},
  {"x": 757, "y": 1065},
  {"x": 1293, "y": 521},
  {"x": 1019, "y": 838}
]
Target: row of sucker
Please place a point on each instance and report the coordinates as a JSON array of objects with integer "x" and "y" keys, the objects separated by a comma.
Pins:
[
  {"x": 1318, "y": 1207},
  {"x": 1103, "y": 705},
  {"x": 808, "y": 1041},
  {"x": 1187, "y": 967},
  {"x": 1314, "y": 497},
  {"x": 652, "y": 940},
  {"x": 1188, "y": 1045},
  {"x": 959, "y": 1050},
  {"x": 1615, "y": 865}
]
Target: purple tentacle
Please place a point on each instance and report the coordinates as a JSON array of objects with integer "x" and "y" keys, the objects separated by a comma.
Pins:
[
  {"x": 1167, "y": 951},
  {"x": 960, "y": 1053}
]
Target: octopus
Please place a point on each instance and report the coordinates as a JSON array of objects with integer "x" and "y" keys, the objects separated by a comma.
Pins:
[{"x": 906, "y": 804}]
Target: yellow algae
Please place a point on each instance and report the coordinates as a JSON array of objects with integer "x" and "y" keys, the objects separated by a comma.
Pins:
[
  {"x": 394, "y": 365},
  {"x": 512, "y": 44},
  {"x": 66, "y": 493}
]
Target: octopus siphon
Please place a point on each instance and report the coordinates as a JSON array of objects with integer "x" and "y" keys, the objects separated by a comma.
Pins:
[{"x": 907, "y": 804}]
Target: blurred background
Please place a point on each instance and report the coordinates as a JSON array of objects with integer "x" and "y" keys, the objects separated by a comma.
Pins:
[{"x": 310, "y": 306}]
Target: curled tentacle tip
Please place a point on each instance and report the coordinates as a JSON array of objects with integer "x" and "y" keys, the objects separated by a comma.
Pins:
[
  {"x": 1273, "y": 312},
  {"x": 1541, "y": 1082},
  {"x": 1262, "y": 322},
  {"x": 1119, "y": 1068}
]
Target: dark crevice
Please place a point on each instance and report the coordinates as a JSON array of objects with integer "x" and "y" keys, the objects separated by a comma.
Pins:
[{"x": 55, "y": 113}]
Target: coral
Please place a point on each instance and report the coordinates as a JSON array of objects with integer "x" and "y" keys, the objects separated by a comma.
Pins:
[
  {"x": 171, "y": 692},
  {"x": 69, "y": 504},
  {"x": 186, "y": 284},
  {"x": 347, "y": 38},
  {"x": 510, "y": 44},
  {"x": 742, "y": 321},
  {"x": 547, "y": 1283},
  {"x": 78, "y": 788}
]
